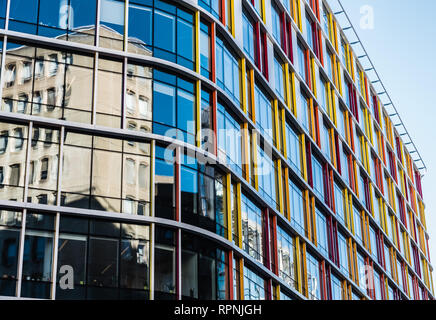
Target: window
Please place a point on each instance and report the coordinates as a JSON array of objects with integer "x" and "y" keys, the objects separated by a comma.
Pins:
[
  {"x": 254, "y": 286},
  {"x": 10, "y": 75},
  {"x": 313, "y": 277},
  {"x": 44, "y": 169},
  {"x": 276, "y": 25},
  {"x": 323, "y": 93},
  {"x": 339, "y": 203},
  {"x": 205, "y": 50},
  {"x": 26, "y": 72},
  {"x": 248, "y": 36},
  {"x": 3, "y": 141},
  {"x": 173, "y": 107},
  {"x": 252, "y": 223},
  {"x": 373, "y": 241},
  {"x": 293, "y": 147},
  {"x": 130, "y": 172},
  {"x": 227, "y": 70},
  {"x": 264, "y": 114},
  {"x": 22, "y": 104},
  {"x": 317, "y": 175},
  {"x": 357, "y": 224},
  {"x": 266, "y": 176},
  {"x": 286, "y": 257},
  {"x": 336, "y": 288},
  {"x": 301, "y": 61},
  {"x": 343, "y": 254},
  {"x": 296, "y": 201},
  {"x": 325, "y": 144},
  {"x": 325, "y": 20},
  {"x": 341, "y": 122},
  {"x": 309, "y": 32},
  {"x": 279, "y": 73},
  {"x": 213, "y": 6},
  {"x": 147, "y": 24},
  {"x": 19, "y": 141},
  {"x": 229, "y": 138},
  {"x": 303, "y": 112},
  {"x": 15, "y": 174},
  {"x": 321, "y": 229}
]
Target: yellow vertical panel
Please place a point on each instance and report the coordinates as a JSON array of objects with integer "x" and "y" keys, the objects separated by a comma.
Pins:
[
  {"x": 312, "y": 62},
  {"x": 229, "y": 206},
  {"x": 351, "y": 214},
  {"x": 303, "y": 246},
  {"x": 276, "y": 123},
  {"x": 288, "y": 207},
  {"x": 298, "y": 263},
  {"x": 299, "y": 15},
  {"x": 347, "y": 208},
  {"x": 247, "y": 158},
  {"x": 335, "y": 120},
  {"x": 303, "y": 157},
  {"x": 241, "y": 278},
  {"x": 288, "y": 87},
  {"x": 307, "y": 214},
  {"x": 312, "y": 119},
  {"x": 253, "y": 110},
  {"x": 371, "y": 199},
  {"x": 294, "y": 98},
  {"x": 313, "y": 221},
  {"x": 232, "y": 15},
  {"x": 244, "y": 78},
  {"x": 333, "y": 147},
  {"x": 197, "y": 41},
  {"x": 280, "y": 185},
  {"x": 283, "y": 126}
]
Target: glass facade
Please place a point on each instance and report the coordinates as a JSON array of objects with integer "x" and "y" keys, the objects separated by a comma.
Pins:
[{"x": 152, "y": 150}]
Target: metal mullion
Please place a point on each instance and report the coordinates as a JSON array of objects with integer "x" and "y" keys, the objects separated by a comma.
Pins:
[
  {"x": 20, "y": 254},
  {"x": 94, "y": 93},
  {"x": 3, "y": 59},
  {"x": 8, "y": 6},
  {"x": 27, "y": 162},
  {"x": 58, "y": 202},
  {"x": 60, "y": 166},
  {"x": 55, "y": 257},
  {"x": 152, "y": 225},
  {"x": 126, "y": 24},
  {"x": 2, "y": 72},
  {"x": 97, "y": 23},
  {"x": 24, "y": 214},
  {"x": 124, "y": 95}
]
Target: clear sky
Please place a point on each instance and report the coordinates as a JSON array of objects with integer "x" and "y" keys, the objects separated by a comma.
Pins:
[{"x": 402, "y": 47}]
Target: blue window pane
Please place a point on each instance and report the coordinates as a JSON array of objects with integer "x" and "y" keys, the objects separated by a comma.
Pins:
[
  {"x": 84, "y": 12},
  {"x": 185, "y": 40},
  {"x": 164, "y": 24},
  {"x": 112, "y": 15},
  {"x": 140, "y": 24},
  {"x": 164, "y": 110},
  {"x": 185, "y": 111}
]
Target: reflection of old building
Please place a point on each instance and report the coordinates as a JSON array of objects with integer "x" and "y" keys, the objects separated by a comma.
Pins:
[{"x": 53, "y": 84}]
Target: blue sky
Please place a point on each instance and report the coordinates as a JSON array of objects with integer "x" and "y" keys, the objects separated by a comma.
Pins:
[{"x": 402, "y": 47}]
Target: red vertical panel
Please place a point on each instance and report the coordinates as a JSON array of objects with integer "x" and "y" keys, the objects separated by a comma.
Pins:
[
  {"x": 230, "y": 273},
  {"x": 257, "y": 44},
  {"x": 290, "y": 44},
  {"x": 265, "y": 56},
  {"x": 309, "y": 163},
  {"x": 338, "y": 155}
]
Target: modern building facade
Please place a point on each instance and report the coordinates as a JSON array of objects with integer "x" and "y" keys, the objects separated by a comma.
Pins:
[{"x": 200, "y": 149}]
